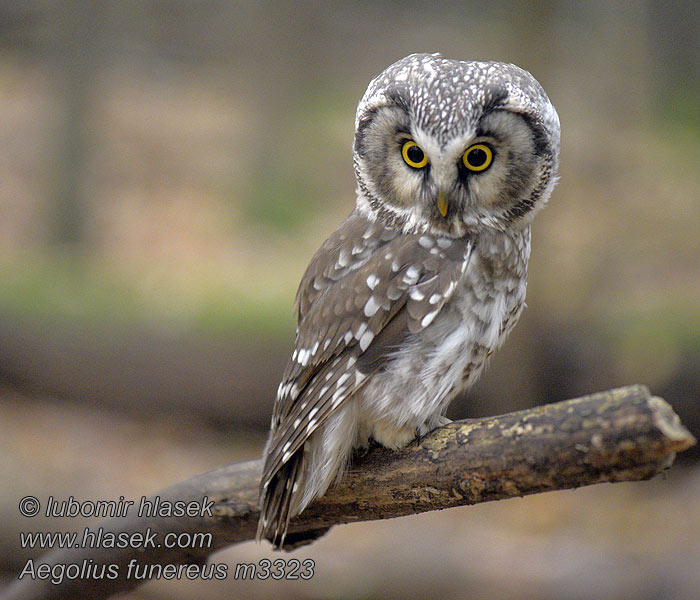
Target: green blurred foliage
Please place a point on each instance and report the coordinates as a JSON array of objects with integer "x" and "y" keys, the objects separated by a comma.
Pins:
[{"x": 206, "y": 148}]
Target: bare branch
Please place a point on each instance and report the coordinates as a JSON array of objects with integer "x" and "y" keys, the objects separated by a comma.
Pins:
[{"x": 618, "y": 435}]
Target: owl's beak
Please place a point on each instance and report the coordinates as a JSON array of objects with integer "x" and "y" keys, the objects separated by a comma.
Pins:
[{"x": 442, "y": 204}]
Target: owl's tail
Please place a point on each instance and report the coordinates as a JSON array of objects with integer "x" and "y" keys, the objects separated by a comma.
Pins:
[
  {"x": 279, "y": 500},
  {"x": 305, "y": 476}
]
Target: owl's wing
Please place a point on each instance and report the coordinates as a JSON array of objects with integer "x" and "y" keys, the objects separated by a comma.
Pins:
[{"x": 364, "y": 278}]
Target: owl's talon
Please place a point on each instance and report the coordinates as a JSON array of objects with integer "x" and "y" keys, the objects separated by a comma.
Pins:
[{"x": 441, "y": 421}]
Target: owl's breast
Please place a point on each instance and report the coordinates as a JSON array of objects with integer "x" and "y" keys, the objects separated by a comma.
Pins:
[
  {"x": 492, "y": 294},
  {"x": 484, "y": 308},
  {"x": 434, "y": 364}
]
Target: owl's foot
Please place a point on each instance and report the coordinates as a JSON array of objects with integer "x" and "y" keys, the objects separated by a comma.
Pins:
[
  {"x": 433, "y": 424},
  {"x": 440, "y": 421},
  {"x": 392, "y": 437}
]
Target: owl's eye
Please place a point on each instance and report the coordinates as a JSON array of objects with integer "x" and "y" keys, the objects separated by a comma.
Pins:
[
  {"x": 413, "y": 155},
  {"x": 477, "y": 157}
]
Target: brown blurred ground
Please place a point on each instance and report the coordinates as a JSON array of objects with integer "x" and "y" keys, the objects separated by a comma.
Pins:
[
  {"x": 169, "y": 168},
  {"x": 609, "y": 541}
]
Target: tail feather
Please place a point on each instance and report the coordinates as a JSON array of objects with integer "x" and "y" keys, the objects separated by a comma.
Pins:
[
  {"x": 305, "y": 476},
  {"x": 279, "y": 500}
]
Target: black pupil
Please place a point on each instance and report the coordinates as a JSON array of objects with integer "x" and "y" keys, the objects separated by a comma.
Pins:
[
  {"x": 415, "y": 154},
  {"x": 477, "y": 157}
]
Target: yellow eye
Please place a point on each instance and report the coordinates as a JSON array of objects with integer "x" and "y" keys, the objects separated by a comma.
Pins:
[
  {"x": 477, "y": 157},
  {"x": 413, "y": 155}
]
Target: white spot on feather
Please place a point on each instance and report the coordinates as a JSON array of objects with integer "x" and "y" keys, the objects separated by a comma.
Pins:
[
  {"x": 416, "y": 294},
  {"x": 372, "y": 281},
  {"x": 338, "y": 397},
  {"x": 366, "y": 340},
  {"x": 344, "y": 258},
  {"x": 371, "y": 307},
  {"x": 428, "y": 319},
  {"x": 360, "y": 330}
]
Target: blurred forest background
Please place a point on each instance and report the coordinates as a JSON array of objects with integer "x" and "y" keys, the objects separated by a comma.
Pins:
[{"x": 169, "y": 167}]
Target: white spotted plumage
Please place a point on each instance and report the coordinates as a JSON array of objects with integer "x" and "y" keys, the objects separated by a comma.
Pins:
[{"x": 401, "y": 307}]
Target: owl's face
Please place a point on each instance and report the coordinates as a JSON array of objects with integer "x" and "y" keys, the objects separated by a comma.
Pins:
[{"x": 454, "y": 147}]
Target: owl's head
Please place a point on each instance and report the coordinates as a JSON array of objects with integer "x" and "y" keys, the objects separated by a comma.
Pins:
[{"x": 453, "y": 146}]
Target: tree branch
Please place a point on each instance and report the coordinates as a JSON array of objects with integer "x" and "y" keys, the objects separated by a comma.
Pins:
[{"x": 618, "y": 435}]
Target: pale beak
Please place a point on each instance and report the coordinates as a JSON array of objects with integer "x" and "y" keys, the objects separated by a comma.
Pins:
[{"x": 442, "y": 204}]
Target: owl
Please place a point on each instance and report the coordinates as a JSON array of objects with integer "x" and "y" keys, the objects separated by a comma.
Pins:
[{"x": 402, "y": 305}]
